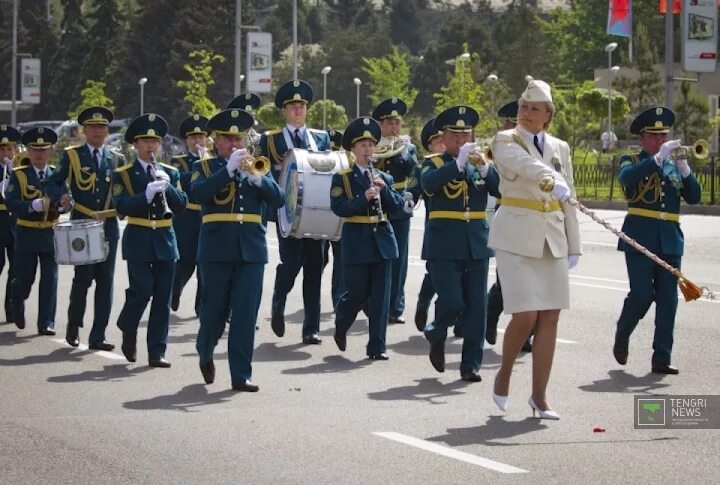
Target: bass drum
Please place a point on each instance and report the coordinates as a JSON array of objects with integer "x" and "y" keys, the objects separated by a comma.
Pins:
[
  {"x": 306, "y": 179},
  {"x": 80, "y": 241}
]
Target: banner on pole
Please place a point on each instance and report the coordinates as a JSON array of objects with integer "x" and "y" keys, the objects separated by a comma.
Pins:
[
  {"x": 30, "y": 80},
  {"x": 620, "y": 18},
  {"x": 259, "y": 62},
  {"x": 699, "y": 35}
]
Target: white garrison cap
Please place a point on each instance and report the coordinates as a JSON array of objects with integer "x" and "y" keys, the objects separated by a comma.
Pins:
[{"x": 537, "y": 92}]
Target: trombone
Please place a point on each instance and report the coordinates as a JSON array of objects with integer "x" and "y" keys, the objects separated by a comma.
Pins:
[{"x": 699, "y": 150}]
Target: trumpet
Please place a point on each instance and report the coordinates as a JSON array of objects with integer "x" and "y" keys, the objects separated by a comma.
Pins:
[
  {"x": 254, "y": 165},
  {"x": 390, "y": 146},
  {"x": 480, "y": 156},
  {"x": 699, "y": 150},
  {"x": 167, "y": 213}
]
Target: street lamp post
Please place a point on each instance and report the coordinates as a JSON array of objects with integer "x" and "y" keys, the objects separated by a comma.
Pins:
[
  {"x": 492, "y": 79},
  {"x": 464, "y": 57},
  {"x": 528, "y": 78},
  {"x": 357, "y": 82},
  {"x": 142, "y": 82},
  {"x": 609, "y": 49},
  {"x": 324, "y": 72}
]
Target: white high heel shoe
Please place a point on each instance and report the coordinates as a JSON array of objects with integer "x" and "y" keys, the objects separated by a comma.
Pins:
[
  {"x": 500, "y": 401},
  {"x": 547, "y": 414}
]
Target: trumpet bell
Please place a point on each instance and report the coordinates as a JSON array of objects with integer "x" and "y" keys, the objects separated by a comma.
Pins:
[
  {"x": 480, "y": 156},
  {"x": 255, "y": 165},
  {"x": 699, "y": 150}
]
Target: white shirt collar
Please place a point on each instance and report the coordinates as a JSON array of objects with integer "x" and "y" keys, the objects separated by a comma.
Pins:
[
  {"x": 292, "y": 128},
  {"x": 143, "y": 163},
  {"x": 37, "y": 171},
  {"x": 100, "y": 148},
  {"x": 530, "y": 136}
]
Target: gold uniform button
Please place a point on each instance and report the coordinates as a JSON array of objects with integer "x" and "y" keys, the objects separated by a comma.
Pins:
[
  {"x": 663, "y": 206},
  {"x": 663, "y": 215}
]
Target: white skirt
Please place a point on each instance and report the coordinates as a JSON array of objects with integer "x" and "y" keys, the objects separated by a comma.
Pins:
[{"x": 533, "y": 284}]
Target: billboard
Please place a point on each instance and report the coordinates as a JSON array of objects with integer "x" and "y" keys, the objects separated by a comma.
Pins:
[
  {"x": 259, "y": 62},
  {"x": 699, "y": 35},
  {"x": 30, "y": 80}
]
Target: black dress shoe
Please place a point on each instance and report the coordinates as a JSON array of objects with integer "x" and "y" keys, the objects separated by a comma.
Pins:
[
  {"x": 102, "y": 345},
  {"x": 245, "y": 386},
  {"x": 46, "y": 331},
  {"x": 71, "y": 336},
  {"x": 421, "y": 315},
  {"x": 208, "y": 371},
  {"x": 620, "y": 351},
  {"x": 665, "y": 369},
  {"x": 128, "y": 347},
  {"x": 277, "y": 322},
  {"x": 312, "y": 339},
  {"x": 380, "y": 356},
  {"x": 340, "y": 340},
  {"x": 396, "y": 319},
  {"x": 470, "y": 376},
  {"x": 437, "y": 356},
  {"x": 175, "y": 303},
  {"x": 159, "y": 362},
  {"x": 19, "y": 320},
  {"x": 527, "y": 346}
]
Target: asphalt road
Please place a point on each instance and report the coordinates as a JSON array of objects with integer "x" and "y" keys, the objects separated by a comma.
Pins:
[{"x": 322, "y": 416}]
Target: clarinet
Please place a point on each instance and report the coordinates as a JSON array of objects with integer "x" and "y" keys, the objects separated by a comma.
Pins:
[
  {"x": 377, "y": 202},
  {"x": 167, "y": 213}
]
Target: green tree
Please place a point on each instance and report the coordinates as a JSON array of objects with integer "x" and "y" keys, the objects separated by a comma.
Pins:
[
  {"x": 691, "y": 115},
  {"x": 269, "y": 116},
  {"x": 595, "y": 102},
  {"x": 647, "y": 89},
  {"x": 201, "y": 78},
  {"x": 336, "y": 116},
  {"x": 105, "y": 29},
  {"x": 93, "y": 94},
  {"x": 407, "y": 23},
  {"x": 389, "y": 77}
]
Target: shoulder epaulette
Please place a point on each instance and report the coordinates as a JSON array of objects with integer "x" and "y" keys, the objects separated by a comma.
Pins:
[
  {"x": 124, "y": 167},
  {"x": 345, "y": 172},
  {"x": 184, "y": 155},
  {"x": 20, "y": 167},
  {"x": 427, "y": 157},
  {"x": 72, "y": 147},
  {"x": 273, "y": 132},
  {"x": 437, "y": 161}
]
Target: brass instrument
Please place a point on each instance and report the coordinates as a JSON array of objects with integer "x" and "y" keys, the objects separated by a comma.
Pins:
[
  {"x": 252, "y": 164},
  {"x": 480, "y": 156},
  {"x": 167, "y": 213},
  {"x": 390, "y": 146},
  {"x": 377, "y": 205},
  {"x": 699, "y": 150}
]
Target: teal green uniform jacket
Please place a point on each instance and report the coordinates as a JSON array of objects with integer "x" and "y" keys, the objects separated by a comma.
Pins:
[
  {"x": 452, "y": 238},
  {"x": 213, "y": 188}
]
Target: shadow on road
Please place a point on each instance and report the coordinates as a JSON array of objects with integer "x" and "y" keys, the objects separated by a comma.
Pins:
[
  {"x": 186, "y": 399},
  {"x": 621, "y": 381},
  {"x": 496, "y": 428},
  {"x": 12, "y": 337},
  {"x": 64, "y": 354},
  {"x": 429, "y": 390},
  {"x": 330, "y": 365},
  {"x": 113, "y": 372}
]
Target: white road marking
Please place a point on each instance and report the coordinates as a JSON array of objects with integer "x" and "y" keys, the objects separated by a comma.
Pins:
[
  {"x": 450, "y": 453},
  {"x": 101, "y": 353}
]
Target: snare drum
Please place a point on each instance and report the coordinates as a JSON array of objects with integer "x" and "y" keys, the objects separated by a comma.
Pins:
[
  {"x": 80, "y": 241},
  {"x": 306, "y": 179}
]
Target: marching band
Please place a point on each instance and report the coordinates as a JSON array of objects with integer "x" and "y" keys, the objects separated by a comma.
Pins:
[{"x": 354, "y": 189}]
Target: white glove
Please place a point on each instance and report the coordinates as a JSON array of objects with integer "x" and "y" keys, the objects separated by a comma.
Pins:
[
  {"x": 161, "y": 175},
  {"x": 484, "y": 169},
  {"x": 256, "y": 180},
  {"x": 405, "y": 152},
  {"x": 573, "y": 260},
  {"x": 8, "y": 163},
  {"x": 235, "y": 159},
  {"x": 155, "y": 187},
  {"x": 560, "y": 190},
  {"x": 683, "y": 166},
  {"x": 463, "y": 155},
  {"x": 409, "y": 204},
  {"x": 3, "y": 185},
  {"x": 665, "y": 150},
  {"x": 37, "y": 205}
]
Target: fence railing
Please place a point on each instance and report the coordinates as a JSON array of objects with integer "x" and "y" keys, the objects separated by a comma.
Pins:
[{"x": 599, "y": 181}]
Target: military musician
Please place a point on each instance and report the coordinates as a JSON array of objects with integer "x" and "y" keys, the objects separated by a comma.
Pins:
[
  {"x": 87, "y": 169},
  {"x": 149, "y": 194},
  {"x": 193, "y": 130},
  {"x": 9, "y": 138},
  {"x": 27, "y": 198},
  {"x": 654, "y": 182},
  {"x": 293, "y": 99},
  {"x": 363, "y": 197},
  {"x": 232, "y": 252},
  {"x": 455, "y": 245}
]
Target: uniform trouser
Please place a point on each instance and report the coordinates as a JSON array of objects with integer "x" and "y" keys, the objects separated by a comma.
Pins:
[
  {"x": 401, "y": 227},
  {"x": 366, "y": 282},
  {"x": 27, "y": 261},
  {"x": 338, "y": 281},
  {"x": 8, "y": 249},
  {"x": 103, "y": 274},
  {"x": 148, "y": 279},
  {"x": 309, "y": 255},
  {"x": 427, "y": 290},
  {"x": 649, "y": 282},
  {"x": 461, "y": 287},
  {"x": 184, "y": 270},
  {"x": 495, "y": 303},
  {"x": 239, "y": 286}
]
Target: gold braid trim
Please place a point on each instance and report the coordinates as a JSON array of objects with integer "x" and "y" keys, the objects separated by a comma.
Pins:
[
  {"x": 273, "y": 150},
  {"x": 22, "y": 181},
  {"x": 346, "y": 184},
  {"x": 229, "y": 187},
  {"x": 453, "y": 190},
  {"x": 85, "y": 184},
  {"x": 643, "y": 187},
  {"x": 126, "y": 181}
]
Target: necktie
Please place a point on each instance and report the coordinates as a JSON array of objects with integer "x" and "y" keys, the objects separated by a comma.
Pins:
[
  {"x": 41, "y": 175},
  {"x": 96, "y": 157},
  {"x": 149, "y": 173},
  {"x": 297, "y": 141},
  {"x": 536, "y": 142}
]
